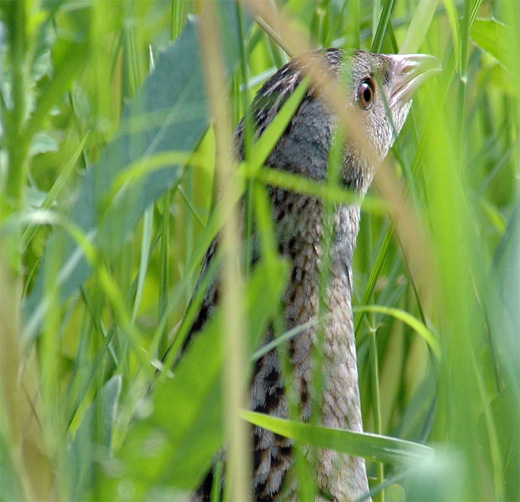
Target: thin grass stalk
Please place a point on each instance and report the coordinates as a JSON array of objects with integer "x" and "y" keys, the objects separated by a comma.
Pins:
[
  {"x": 382, "y": 26},
  {"x": 374, "y": 367},
  {"x": 103, "y": 16},
  {"x": 11, "y": 418},
  {"x": 276, "y": 43},
  {"x": 373, "y": 278},
  {"x": 314, "y": 27},
  {"x": 98, "y": 300},
  {"x": 327, "y": 24},
  {"x": 177, "y": 13},
  {"x": 165, "y": 275},
  {"x": 356, "y": 23},
  {"x": 421, "y": 18},
  {"x": 376, "y": 11},
  {"x": 275, "y": 36},
  {"x": 496, "y": 459},
  {"x": 192, "y": 219},
  {"x": 49, "y": 351},
  {"x": 376, "y": 399},
  {"x": 248, "y": 138},
  {"x": 17, "y": 144},
  {"x": 133, "y": 71},
  {"x": 453, "y": 235},
  {"x": 237, "y": 472},
  {"x": 146, "y": 240}
]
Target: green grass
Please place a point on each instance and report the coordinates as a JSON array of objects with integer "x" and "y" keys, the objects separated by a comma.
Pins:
[{"x": 107, "y": 206}]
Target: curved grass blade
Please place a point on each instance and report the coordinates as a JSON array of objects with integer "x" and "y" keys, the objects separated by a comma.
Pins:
[
  {"x": 405, "y": 317},
  {"x": 366, "y": 445},
  {"x": 419, "y": 26}
]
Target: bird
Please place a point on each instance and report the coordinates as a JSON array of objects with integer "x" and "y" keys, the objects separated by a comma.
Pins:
[{"x": 380, "y": 87}]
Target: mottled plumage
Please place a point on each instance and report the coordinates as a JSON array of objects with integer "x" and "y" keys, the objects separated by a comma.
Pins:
[{"x": 299, "y": 224}]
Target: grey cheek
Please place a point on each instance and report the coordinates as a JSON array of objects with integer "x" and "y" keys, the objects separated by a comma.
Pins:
[{"x": 382, "y": 136}]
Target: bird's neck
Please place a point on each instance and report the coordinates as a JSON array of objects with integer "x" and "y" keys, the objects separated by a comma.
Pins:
[
  {"x": 303, "y": 236},
  {"x": 301, "y": 226}
]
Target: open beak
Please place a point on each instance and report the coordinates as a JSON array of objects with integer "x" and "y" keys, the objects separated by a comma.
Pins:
[{"x": 410, "y": 72}]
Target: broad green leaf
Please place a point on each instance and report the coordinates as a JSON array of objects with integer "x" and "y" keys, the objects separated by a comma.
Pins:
[
  {"x": 370, "y": 446},
  {"x": 503, "y": 299},
  {"x": 168, "y": 114},
  {"x": 494, "y": 37},
  {"x": 504, "y": 304},
  {"x": 175, "y": 444}
]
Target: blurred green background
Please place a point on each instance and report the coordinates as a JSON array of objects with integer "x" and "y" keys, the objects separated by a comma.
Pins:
[{"x": 106, "y": 210}]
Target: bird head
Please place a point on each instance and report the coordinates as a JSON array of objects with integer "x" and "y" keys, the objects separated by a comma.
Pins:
[{"x": 381, "y": 91}]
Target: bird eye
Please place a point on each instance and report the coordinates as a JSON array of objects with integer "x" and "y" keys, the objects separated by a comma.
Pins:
[{"x": 366, "y": 93}]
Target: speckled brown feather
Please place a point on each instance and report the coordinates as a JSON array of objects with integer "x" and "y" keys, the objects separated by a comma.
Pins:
[{"x": 304, "y": 149}]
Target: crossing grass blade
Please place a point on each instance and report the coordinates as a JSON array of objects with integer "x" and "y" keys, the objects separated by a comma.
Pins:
[{"x": 369, "y": 446}]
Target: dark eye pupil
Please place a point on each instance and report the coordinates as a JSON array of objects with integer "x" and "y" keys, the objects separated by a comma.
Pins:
[{"x": 366, "y": 93}]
